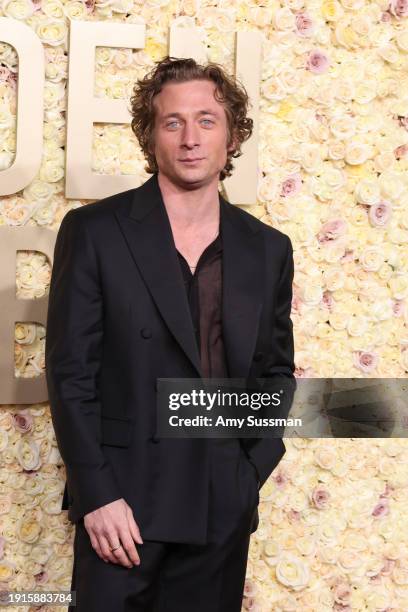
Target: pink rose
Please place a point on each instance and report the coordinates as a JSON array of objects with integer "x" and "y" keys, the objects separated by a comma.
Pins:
[
  {"x": 331, "y": 230},
  {"x": 327, "y": 299},
  {"x": 403, "y": 121},
  {"x": 293, "y": 515},
  {"x": 366, "y": 361},
  {"x": 251, "y": 604},
  {"x": 250, "y": 588},
  {"x": 342, "y": 594},
  {"x": 304, "y": 24},
  {"x": 380, "y": 213},
  {"x": 401, "y": 151},
  {"x": 22, "y": 422},
  {"x": 317, "y": 62},
  {"x": 305, "y": 373},
  {"x": 348, "y": 255},
  {"x": 291, "y": 185},
  {"x": 388, "y": 567},
  {"x": 388, "y": 489},
  {"x": 381, "y": 509},
  {"x": 320, "y": 498},
  {"x": 4, "y": 74},
  {"x": 398, "y": 307},
  {"x": 296, "y": 302},
  {"x": 399, "y": 8},
  {"x": 281, "y": 479},
  {"x": 41, "y": 577}
]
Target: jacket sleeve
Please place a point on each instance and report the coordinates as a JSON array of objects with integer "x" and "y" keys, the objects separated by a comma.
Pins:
[
  {"x": 265, "y": 453},
  {"x": 72, "y": 359}
]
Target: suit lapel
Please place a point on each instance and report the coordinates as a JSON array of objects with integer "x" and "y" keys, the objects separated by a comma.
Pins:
[
  {"x": 243, "y": 274},
  {"x": 147, "y": 230}
]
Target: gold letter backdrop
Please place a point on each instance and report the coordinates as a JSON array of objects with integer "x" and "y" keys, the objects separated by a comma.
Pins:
[{"x": 333, "y": 159}]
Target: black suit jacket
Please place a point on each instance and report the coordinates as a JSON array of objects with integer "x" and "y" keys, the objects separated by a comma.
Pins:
[{"x": 118, "y": 319}]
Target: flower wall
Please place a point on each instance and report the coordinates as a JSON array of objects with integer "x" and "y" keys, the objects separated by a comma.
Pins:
[{"x": 333, "y": 160}]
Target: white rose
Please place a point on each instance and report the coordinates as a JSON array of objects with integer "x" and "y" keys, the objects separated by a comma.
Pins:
[
  {"x": 404, "y": 359},
  {"x": 273, "y": 89},
  {"x": 38, "y": 190},
  {"x": 367, "y": 191},
  {"x": 384, "y": 161},
  {"x": 123, "y": 6},
  {"x": 292, "y": 572},
  {"x": 357, "y": 325},
  {"x": 28, "y": 454},
  {"x": 7, "y": 120},
  {"x": 334, "y": 278},
  {"x": 372, "y": 258},
  {"x": 344, "y": 90},
  {"x": 289, "y": 78},
  {"x": 54, "y": 93},
  {"x": 52, "y": 32},
  {"x": 389, "y": 53},
  {"x": 392, "y": 185},
  {"x": 104, "y": 56},
  {"x": 75, "y": 10},
  {"x": 28, "y": 530},
  {"x": 401, "y": 39},
  {"x": 44, "y": 215},
  {"x": 343, "y": 127},
  {"x": 357, "y": 153},
  {"x": 51, "y": 172},
  {"x": 54, "y": 9},
  {"x": 284, "y": 19},
  {"x": 18, "y": 9},
  {"x": 310, "y": 157},
  {"x": 336, "y": 149},
  {"x": 312, "y": 294},
  {"x": 399, "y": 287}
]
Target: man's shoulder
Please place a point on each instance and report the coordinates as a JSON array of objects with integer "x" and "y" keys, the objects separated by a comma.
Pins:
[
  {"x": 104, "y": 207},
  {"x": 271, "y": 234}
]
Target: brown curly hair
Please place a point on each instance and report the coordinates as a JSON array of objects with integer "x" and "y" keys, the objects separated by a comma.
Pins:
[{"x": 228, "y": 91}]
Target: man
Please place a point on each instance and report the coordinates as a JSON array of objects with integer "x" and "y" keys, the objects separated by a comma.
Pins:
[{"x": 168, "y": 280}]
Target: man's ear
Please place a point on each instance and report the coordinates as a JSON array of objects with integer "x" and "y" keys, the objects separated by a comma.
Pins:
[{"x": 233, "y": 144}]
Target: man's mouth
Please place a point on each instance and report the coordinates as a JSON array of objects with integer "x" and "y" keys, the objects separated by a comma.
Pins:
[{"x": 192, "y": 160}]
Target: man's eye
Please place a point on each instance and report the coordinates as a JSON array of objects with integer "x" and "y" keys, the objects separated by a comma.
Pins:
[
  {"x": 172, "y": 124},
  {"x": 207, "y": 121}
]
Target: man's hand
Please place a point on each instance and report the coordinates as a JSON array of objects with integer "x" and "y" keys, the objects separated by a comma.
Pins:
[{"x": 111, "y": 525}]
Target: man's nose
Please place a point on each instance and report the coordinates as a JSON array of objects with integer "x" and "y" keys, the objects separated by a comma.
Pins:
[{"x": 190, "y": 135}]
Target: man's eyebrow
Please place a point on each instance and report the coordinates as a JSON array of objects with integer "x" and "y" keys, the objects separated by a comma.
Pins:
[{"x": 201, "y": 112}]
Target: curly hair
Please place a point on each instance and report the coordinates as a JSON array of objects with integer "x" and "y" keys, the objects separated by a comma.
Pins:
[{"x": 228, "y": 92}]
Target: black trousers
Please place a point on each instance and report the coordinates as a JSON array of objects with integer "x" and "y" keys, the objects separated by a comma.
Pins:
[{"x": 180, "y": 577}]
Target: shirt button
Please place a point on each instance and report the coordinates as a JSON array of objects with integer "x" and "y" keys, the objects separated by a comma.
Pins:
[{"x": 146, "y": 333}]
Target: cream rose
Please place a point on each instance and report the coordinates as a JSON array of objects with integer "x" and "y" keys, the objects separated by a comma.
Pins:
[
  {"x": 52, "y": 32},
  {"x": 367, "y": 191},
  {"x": 293, "y": 572}
]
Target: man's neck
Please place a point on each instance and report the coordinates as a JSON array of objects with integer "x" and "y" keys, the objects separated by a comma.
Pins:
[{"x": 189, "y": 208}]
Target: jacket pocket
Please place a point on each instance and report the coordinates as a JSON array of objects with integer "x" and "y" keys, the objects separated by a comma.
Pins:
[{"x": 116, "y": 431}]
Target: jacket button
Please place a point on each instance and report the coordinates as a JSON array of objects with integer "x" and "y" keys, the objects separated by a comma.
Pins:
[
  {"x": 146, "y": 333},
  {"x": 258, "y": 356}
]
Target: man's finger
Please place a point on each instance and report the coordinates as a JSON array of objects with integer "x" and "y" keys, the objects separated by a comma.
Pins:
[
  {"x": 129, "y": 546},
  {"x": 95, "y": 545},
  {"x": 105, "y": 545},
  {"x": 133, "y": 527}
]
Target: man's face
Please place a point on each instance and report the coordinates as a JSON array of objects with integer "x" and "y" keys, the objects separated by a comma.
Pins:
[{"x": 190, "y": 133}]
